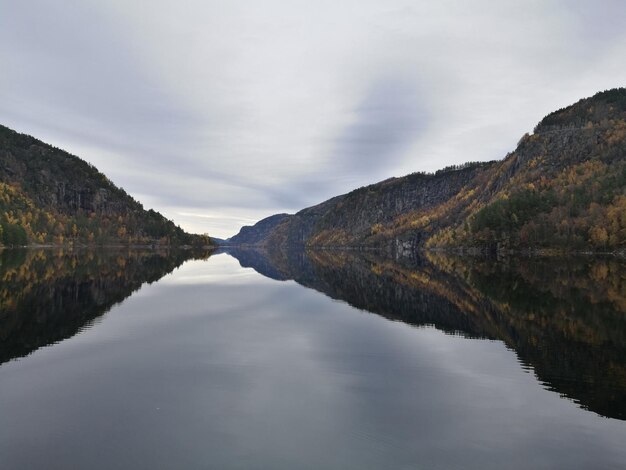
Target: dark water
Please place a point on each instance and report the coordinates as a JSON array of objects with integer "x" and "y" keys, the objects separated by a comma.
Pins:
[{"x": 131, "y": 359}]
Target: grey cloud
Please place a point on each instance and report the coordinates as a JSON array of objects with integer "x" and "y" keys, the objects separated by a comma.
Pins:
[
  {"x": 597, "y": 23},
  {"x": 388, "y": 119},
  {"x": 76, "y": 72}
]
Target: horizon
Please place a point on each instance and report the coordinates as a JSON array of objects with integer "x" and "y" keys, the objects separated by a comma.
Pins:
[{"x": 218, "y": 116}]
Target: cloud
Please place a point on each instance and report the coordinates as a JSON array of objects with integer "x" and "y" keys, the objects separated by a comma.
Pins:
[
  {"x": 75, "y": 69},
  {"x": 252, "y": 108},
  {"x": 387, "y": 120}
]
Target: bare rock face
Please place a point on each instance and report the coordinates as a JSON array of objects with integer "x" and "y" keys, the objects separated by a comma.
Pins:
[
  {"x": 254, "y": 235},
  {"x": 57, "y": 180},
  {"x": 347, "y": 220},
  {"x": 359, "y": 211}
]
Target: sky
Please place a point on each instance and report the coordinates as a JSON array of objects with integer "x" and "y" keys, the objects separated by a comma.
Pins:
[{"x": 220, "y": 113}]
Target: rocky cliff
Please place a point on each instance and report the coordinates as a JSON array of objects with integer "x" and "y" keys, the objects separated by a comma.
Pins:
[{"x": 255, "y": 234}]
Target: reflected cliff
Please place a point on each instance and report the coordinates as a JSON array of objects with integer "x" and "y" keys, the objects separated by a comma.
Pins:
[
  {"x": 565, "y": 319},
  {"x": 47, "y": 296}
]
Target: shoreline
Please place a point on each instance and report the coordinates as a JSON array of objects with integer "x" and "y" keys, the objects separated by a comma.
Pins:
[
  {"x": 469, "y": 251},
  {"x": 109, "y": 246}
]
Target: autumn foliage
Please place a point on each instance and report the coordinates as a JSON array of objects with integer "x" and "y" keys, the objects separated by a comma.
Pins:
[{"x": 48, "y": 196}]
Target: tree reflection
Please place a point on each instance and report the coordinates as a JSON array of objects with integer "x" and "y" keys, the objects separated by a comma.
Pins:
[
  {"x": 47, "y": 296},
  {"x": 565, "y": 318}
]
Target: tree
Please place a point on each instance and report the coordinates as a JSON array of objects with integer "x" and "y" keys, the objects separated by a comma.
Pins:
[
  {"x": 13, "y": 235},
  {"x": 598, "y": 236}
]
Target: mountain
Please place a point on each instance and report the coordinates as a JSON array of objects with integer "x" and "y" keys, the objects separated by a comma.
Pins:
[
  {"x": 48, "y": 196},
  {"x": 252, "y": 235},
  {"x": 563, "y": 316},
  {"x": 563, "y": 188}
]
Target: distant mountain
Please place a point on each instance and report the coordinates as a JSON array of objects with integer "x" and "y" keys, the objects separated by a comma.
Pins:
[
  {"x": 48, "y": 196},
  {"x": 563, "y": 188},
  {"x": 252, "y": 235}
]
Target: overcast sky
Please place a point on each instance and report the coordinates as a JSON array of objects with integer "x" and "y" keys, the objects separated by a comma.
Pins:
[{"x": 220, "y": 113}]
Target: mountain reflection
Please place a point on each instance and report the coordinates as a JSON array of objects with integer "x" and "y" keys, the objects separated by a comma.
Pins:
[
  {"x": 47, "y": 296},
  {"x": 565, "y": 319}
]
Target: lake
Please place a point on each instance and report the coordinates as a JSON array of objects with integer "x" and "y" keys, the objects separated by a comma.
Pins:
[{"x": 132, "y": 359}]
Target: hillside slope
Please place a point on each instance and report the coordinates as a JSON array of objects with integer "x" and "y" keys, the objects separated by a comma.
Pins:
[
  {"x": 252, "y": 235},
  {"x": 49, "y": 196},
  {"x": 564, "y": 187}
]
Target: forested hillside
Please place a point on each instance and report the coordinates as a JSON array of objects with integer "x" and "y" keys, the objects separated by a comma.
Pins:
[
  {"x": 563, "y": 188},
  {"x": 48, "y": 196}
]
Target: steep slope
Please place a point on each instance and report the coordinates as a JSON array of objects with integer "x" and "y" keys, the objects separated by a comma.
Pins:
[
  {"x": 357, "y": 217},
  {"x": 564, "y": 187},
  {"x": 50, "y": 196},
  {"x": 252, "y": 235}
]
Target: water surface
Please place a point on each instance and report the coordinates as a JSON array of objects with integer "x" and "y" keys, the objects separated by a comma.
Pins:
[{"x": 127, "y": 359}]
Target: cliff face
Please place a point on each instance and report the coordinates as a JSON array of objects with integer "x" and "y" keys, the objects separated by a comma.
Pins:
[
  {"x": 253, "y": 235},
  {"x": 50, "y": 196},
  {"x": 563, "y": 187},
  {"x": 55, "y": 179},
  {"x": 353, "y": 218}
]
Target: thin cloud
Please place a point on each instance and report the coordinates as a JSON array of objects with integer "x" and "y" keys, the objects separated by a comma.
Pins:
[{"x": 387, "y": 120}]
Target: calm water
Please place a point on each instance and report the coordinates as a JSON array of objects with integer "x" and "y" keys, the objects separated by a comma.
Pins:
[{"x": 250, "y": 360}]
